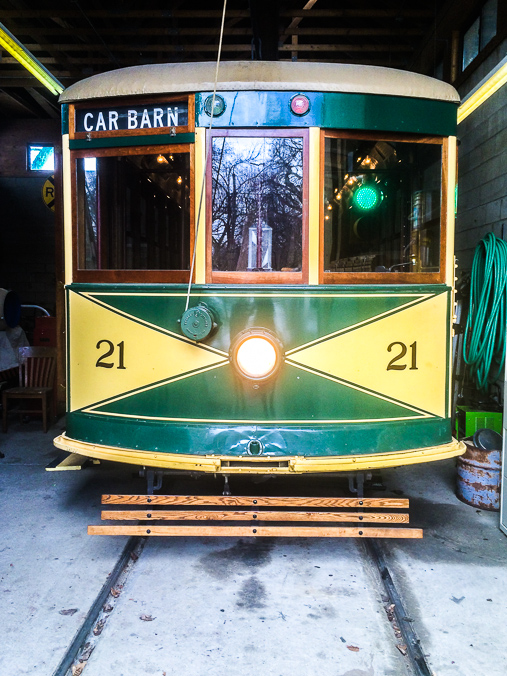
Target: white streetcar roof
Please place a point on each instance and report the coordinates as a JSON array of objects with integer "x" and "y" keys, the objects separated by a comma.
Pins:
[{"x": 169, "y": 78}]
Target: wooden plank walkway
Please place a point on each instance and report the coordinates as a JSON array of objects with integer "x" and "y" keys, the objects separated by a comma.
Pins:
[{"x": 314, "y": 518}]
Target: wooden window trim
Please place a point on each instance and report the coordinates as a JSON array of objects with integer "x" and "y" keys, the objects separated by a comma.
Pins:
[
  {"x": 386, "y": 277},
  {"x": 133, "y": 276},
  {"x": 110, "y": 103},
  {"x": 232, "y": 277}
]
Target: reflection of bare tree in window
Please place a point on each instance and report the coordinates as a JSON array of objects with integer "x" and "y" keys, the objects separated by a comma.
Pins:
[{"x": 257, "y": 184}]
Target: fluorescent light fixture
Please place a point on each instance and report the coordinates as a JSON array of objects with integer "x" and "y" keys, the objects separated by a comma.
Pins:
[
  {"x": 491, "y": 84},
  {"x": 28, "y": 60}
]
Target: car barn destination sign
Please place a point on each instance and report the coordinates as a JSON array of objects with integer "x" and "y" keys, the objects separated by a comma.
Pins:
[{"x": 130, "y": 118}]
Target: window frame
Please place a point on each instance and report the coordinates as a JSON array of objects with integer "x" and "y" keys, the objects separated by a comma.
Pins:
[
  {"x": 153, "y": 100},
  {"x": 481, "y": 46},
  {"x": 126, "y": 276},
  {"x": 385, "y": 277},
  {"x": 244, "y": 277}
]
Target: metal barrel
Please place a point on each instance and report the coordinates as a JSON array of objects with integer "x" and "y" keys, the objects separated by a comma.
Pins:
[{"x": 479, "y": 475}]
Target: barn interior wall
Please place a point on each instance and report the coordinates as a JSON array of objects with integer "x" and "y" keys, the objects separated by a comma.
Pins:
[
  {"x": 27, "y": 231},
  {"x": 482, "y": 166}
]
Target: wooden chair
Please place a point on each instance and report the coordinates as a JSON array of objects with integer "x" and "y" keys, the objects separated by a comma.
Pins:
[{"x": 37, "y": 366}]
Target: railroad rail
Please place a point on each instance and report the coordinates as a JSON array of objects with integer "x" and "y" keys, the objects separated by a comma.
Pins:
[{"x": 371, "y": 553}]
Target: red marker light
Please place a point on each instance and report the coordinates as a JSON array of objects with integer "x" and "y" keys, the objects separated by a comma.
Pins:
[{"x": 300, "y": 104}]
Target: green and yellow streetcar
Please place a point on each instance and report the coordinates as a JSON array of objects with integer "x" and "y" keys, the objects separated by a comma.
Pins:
[{"x": 260, "y": 278}]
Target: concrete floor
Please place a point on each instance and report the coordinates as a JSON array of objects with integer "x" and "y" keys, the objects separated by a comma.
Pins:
[{"x": 241, "y": 606}]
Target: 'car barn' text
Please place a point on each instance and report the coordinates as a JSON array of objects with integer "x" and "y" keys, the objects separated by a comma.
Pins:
[{"x": 131, "y": 118}]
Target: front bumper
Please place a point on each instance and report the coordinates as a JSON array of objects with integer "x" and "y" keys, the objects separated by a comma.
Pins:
[{"x": 298, "y": 464}]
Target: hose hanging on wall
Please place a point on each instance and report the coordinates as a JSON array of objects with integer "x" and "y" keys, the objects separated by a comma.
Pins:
[{"x": 484, "y": 342}]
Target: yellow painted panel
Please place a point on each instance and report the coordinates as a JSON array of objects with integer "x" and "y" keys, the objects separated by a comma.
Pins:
[
  {"x": 147, "y": 355},
  {"x": 450, "y": 207},
  {"x": 67, "y": 208},
  {"x": 362, "y": 356},
  {"x": 314, "y": 206},
  {"x": 200, "y": 205}
]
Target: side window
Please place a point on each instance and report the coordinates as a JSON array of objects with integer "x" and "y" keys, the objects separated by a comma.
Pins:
[
  {"x": 257, "y": 205},
  {"x": 133, "y": 210},
  {"x": 480, "y": 33},
  {"x": 382, "y": 206}
]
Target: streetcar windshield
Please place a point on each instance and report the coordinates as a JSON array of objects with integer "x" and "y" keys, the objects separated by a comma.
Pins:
[
  {"x": 133, "y": 211},
  {"x": 382, "y": 206},
  {"x": 257, "y": 204}
]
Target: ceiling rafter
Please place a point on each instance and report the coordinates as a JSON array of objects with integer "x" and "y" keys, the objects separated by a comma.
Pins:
[
  {"x": 47, "y": 45},
  {"x": 49, "y": 107},
  {"x": 77, "y": 39},
  {"x": 229, "y": 29},
  {"x": 156, "y": 47},
  {"x": 104, "y": 60},
  {"x": 210, "y": 14}
]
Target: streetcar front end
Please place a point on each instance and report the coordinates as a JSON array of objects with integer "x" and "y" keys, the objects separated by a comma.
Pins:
[{"x": 260, "y": 281}]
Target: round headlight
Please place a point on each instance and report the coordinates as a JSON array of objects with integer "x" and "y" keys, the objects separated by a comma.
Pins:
[
  {"x": 256, "y": 357},
  {"x": 257, "y": 354}
]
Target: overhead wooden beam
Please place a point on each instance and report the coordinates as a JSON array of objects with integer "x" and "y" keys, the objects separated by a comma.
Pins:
[
  {"x": 26, "y": 103},
  {"x": 264, "y": 17},
  {"x": 104, "y": 49},
  {"x": 138, "y": 46},
  {"x": 44, "y": 44},
  {"x": 48, "y": 106},
  {"x": 387, "y": 48},
  {"x": 393, "y": 61},
  {"x": 12, "y": 45},
  {"x": 15, "y": 78},
  {"x": 156, "y": 14},
  {"x": 451, "y": 15},
  {"x": 374, "y": 32},
  {"x": 212, "y": 31},
  {"x": 290, "y": 30},
  {"x": 164, "y": 48},
  {"x": 33, "y": 101}
]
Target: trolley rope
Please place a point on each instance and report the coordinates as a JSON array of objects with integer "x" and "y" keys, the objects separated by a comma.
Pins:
[
  {"x": 485, "y": 332},
  {"x": 208, "y": 146}
]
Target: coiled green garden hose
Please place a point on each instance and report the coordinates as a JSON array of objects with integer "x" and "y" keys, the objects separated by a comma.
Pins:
[{"x": 484, "y": 341}]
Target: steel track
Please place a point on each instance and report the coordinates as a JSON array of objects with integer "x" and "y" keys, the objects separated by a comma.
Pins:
[
  {"x": 420, "y": 666},
  {"x": 97, "y": 608},
  {"x": 374, "y": 555}
]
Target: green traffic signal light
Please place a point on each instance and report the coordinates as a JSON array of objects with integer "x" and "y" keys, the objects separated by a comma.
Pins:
[{"x": 367, "y": 197}]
